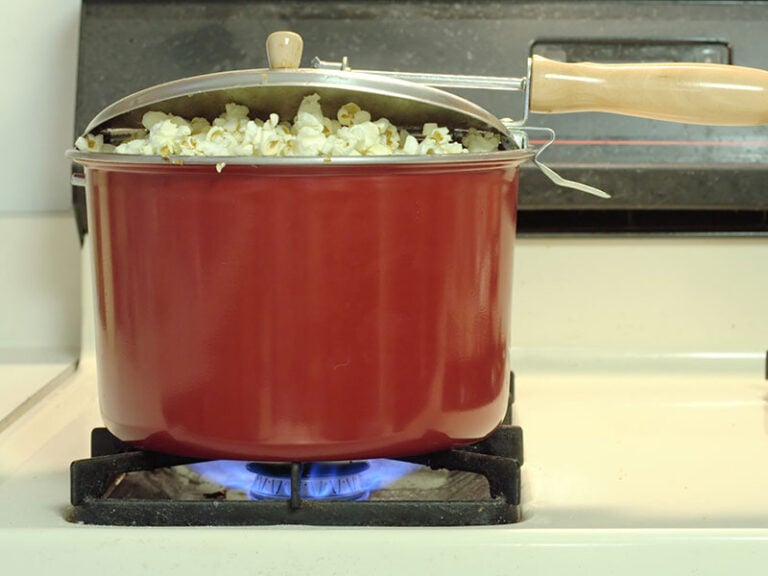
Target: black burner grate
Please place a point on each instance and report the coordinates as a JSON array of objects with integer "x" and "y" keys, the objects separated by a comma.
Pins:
[{"x": 498, "y": 458}]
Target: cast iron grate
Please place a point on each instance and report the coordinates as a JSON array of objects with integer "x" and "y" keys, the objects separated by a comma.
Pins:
[{"x": 497, "y": 458}]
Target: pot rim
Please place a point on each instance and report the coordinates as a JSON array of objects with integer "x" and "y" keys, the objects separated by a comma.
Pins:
[{"x": 513, "y": 157}]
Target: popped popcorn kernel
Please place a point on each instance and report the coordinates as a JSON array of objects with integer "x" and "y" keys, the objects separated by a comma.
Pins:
[
  {"x": 477, "y": 141},
  {"x": 310, "y": 105},
  {"x": 233, "y": 133},
  {"x": 347, "y": 113},
  {"x": 199, "y": 125},
  {"x": 91, "y": 143}
]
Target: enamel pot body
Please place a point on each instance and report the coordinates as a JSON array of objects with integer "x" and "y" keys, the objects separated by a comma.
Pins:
[{"x": 330, "y": 311}]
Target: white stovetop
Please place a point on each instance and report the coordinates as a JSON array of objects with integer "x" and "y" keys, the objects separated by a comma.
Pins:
[
  {"x": 649, "y": 462},
  {"x": 622, "y": 475}
]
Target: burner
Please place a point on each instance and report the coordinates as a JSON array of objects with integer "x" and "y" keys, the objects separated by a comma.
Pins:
[
  {"x": 325, "y": 493},
  {"x": 319, "y": 481}
]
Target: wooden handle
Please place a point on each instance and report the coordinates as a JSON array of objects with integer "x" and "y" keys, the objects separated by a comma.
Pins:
[
  {"x": 713, "y": 94},
  {"x": 284, "y": 49}
]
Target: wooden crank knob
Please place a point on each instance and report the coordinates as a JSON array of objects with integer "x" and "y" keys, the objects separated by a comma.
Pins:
[{"x": 284, "y": 50}]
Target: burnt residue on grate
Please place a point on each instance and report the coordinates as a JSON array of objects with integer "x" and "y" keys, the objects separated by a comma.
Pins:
[{"x": 184, "y": 483}]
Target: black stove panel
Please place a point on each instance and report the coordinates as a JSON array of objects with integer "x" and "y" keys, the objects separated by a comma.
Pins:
[{"x": 663, "y": 177}]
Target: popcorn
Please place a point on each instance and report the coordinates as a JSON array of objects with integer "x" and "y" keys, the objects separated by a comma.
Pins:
[
  {"x": 166, "y": 137},
  {"x": 438, "y": 140},
  {"x": 91, "y": 143},
  {"x": 478, "y": 141},
  {"x": 153, "y": 117},
  {"x": 234, "y": 133},
  {"x": 310, "y": 106},
  {"x": 351, "y": 114},
  {"x": 410, "y": 144}
]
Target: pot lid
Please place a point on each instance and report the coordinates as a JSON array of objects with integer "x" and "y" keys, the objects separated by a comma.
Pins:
[
  {"x": 281, "y": 88},
  {"x": 407, "y": 100}
]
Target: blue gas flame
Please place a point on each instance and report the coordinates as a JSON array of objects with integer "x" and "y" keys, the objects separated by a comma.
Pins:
[{"x": 333, "y": 481}]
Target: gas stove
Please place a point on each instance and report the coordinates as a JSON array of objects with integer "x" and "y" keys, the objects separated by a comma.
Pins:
[
  {"x": 642, "y": 454},
  {"x": 121, "y": 485},
  {"x": 641, "y": 374}
]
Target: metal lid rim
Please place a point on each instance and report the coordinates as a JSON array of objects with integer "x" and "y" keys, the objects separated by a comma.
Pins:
[
  {"x": 511, "y": 156},
  {"x": 311, "y": 78}
]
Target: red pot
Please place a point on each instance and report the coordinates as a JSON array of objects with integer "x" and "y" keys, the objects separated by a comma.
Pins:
[
  {"x": 326, "y": 309},
  {"x": 322, "y": 311}
]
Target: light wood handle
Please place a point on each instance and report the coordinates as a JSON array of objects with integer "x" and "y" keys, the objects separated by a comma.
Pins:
[
  {"x": 713, "y": 94},
  {"x": 284, "y": 49}
]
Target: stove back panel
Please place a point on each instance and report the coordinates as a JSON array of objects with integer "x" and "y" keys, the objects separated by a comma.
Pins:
[{"x": 692, "y": 179}]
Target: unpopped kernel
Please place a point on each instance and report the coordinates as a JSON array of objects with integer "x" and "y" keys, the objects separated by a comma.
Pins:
[{"x": 234, "y": 133}]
